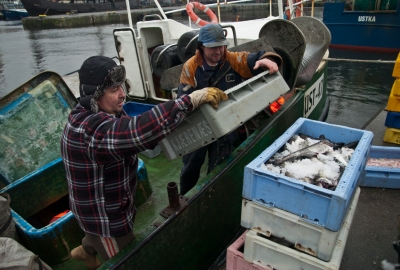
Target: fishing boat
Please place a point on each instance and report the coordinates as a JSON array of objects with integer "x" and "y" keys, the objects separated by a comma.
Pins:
[
  {"x": 62, "y": 7},
  {"x": 13, "y": 11},
  {"x": 364, "y": 25},
  {"x": 190, "y": 233}
]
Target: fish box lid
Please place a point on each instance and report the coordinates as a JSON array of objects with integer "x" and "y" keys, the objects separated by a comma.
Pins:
[
  {"x": 206, "y": 124},
  {"x": 32, "y": 119}
]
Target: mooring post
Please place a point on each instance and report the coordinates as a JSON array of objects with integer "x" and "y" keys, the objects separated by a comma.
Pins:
[{"x": 173, "y": 195}]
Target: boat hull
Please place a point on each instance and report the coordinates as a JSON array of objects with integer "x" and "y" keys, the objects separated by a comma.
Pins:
[
  {"x": 363, "y": 30},
  {"x": 212, "y": 216},
  {"x": 14, "y": 15},
  {"x": 39, "y": 7}
]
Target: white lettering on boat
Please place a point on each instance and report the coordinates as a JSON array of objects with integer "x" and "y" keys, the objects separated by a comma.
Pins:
[
  {"x": 313, "y": 96},
  {"x": 366, "y": 19},
  {"x": 190, "y": 136}
]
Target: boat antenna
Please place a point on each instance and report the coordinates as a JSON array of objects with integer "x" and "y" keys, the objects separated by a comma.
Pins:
[{"x": 128, "y": 10}]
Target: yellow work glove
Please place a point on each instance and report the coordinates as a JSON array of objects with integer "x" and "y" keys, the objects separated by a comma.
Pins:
[{"x": 209, "y": 94}]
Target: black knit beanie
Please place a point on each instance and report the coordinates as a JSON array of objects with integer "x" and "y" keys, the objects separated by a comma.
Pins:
[{"x": 96, "y": 75}]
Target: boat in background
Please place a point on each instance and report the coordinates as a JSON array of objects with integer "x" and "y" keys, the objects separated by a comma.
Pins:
[
  {"x": 62, "y": 7},
  {"x": 13, "y": 11},
  {"x": 370, "y": 25}
]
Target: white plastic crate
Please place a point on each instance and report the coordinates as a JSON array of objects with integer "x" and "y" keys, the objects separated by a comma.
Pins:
[
  {"x": 307, "y": 237},
  {"x": 206, "y": 124},
  {"x": 322, "y": 206},
  {"x": 261, "y": 251}
]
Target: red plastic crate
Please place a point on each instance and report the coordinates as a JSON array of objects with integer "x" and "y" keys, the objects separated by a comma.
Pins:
[{"x": 234, "y": 257}]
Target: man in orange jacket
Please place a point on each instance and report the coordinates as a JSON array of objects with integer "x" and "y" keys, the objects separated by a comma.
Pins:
[{"x": 214, "y": 66}]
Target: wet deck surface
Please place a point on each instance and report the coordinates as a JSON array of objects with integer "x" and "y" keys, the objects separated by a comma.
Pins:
[{"x": 375, "y": 224}]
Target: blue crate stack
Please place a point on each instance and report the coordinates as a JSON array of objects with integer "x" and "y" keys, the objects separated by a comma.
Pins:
[{"x": 313, "y": 221}]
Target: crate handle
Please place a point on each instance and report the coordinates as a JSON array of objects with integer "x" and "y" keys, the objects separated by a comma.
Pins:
[{"x": 304, "y": 217}]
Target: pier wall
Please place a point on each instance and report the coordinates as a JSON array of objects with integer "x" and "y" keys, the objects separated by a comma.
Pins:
[{"x": 121, "y": 17}]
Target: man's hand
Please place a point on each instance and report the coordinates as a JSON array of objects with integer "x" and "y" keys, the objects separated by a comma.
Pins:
[
  {"x": 208, "y": 94},
  {"x": 266, "y": 63}
]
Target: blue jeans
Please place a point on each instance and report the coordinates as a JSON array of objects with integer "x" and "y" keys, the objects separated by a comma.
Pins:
[{"x": 192, "y": 162}]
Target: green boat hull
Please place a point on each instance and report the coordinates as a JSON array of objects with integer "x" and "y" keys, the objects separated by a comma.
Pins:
[{"x": 194, "y": 236}]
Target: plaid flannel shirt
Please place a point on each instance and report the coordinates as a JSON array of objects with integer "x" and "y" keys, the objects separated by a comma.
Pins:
[{"x": 99, "y": 153}]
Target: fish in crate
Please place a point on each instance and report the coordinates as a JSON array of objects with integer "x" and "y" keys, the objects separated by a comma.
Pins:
[{"x": 315, "y": 161}]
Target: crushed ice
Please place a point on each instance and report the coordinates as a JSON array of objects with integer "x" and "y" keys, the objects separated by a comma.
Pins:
[{"x": 324, "y": 169}]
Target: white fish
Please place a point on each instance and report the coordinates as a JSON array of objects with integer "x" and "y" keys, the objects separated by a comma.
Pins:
[{"x": 308, "y": 152}]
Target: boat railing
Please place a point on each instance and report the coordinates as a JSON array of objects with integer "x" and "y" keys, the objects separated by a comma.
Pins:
[
  {"x": 292, "y": 7},
  {"x": 151, "y": 15},
  {"x": 218, "y": 4}
]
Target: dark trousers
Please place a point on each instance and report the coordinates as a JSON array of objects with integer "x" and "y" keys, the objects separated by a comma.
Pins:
[{"x": 192, "y": 162}]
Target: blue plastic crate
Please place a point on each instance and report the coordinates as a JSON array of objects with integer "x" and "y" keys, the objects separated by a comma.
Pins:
[
  {"x": 321, "y": 206},
  {"x": 45, "y": 191},
  {"x": 392, "y": 120},
  {"x": 136, "y": 108},
  {"x": 382, "y": 177}
]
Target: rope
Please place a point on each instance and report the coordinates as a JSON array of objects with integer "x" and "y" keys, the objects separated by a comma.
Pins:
[{"x": 358, "y": 61}]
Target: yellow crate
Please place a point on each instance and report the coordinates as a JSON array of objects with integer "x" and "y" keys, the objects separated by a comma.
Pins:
[
  {"x": 396, "y": 88},
  {"x": 392, "y": 135},
  {"x": 393, "y": 104},
  {"x": 396, "y": 69}
]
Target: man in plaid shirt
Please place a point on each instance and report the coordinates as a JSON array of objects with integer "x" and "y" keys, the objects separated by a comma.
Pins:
[{"x": 99, "y": 146}]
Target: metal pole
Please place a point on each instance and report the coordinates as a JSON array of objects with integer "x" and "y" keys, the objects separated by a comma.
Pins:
[
  {"x": 357, "y": 61},
  {"x": 280, "y": 9},
  {"x": 128, "y": 9},
  {"x": 312, "y": 8},
  {"x": 160, "y": 9},
  {"x": 173, "y": 196},
  {"x": 270, "y": 8},
  {"x": 290, "y": 9},
  {"x": 190, "y": 22},
  {"x": 219, "y": 12}
]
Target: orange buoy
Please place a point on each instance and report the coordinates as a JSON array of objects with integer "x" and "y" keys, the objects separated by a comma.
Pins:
[
  {"x": 199, "y": 22},
  {"x": 296, "y": 9}
]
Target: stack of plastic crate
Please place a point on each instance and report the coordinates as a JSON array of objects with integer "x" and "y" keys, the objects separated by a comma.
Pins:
[
  {"x": 297, "y": 225},
  {"x": 392, "y": 123}
]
